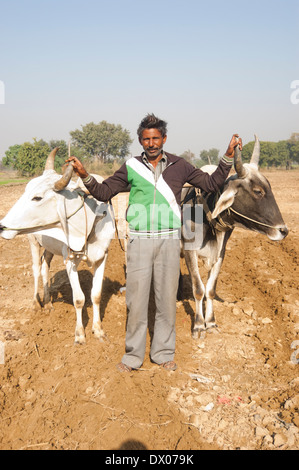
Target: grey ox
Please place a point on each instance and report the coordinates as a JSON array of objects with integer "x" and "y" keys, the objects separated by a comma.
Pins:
[
  {"x": 63, "y": 220},
  {"x": 246, "y": 201}
]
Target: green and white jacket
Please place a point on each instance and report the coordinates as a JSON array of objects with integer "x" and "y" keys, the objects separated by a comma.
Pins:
[{"x": 154, "y": 204}]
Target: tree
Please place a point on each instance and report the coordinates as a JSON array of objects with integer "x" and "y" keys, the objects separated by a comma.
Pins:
[
  {"x": 294, "y": 137},
  {"x": 208, "y": 157},
  {"x": 32, "y": 157},
  {"x": 188, "y": 155},
  {"x": 294, "y": 150},
  {"x": 11, "y": 156},
  {"x": 272, "y": 153},
  {"x": 265, "y": 153},
  {"x": 282, "y": 154},
  {"x": 247, "y": 151},
  {"x": 63, "y": 152},
  {"x": 104, "y": 141}
]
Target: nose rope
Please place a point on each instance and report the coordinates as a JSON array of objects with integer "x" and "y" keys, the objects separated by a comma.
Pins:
[
  {"x": 221, "y": 225},
  {"x": 251, "y": 220},
  {"x": 41, "y": 227}
]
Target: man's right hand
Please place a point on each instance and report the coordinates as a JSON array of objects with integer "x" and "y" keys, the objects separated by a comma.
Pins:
[{"x": 78, "y": 167}]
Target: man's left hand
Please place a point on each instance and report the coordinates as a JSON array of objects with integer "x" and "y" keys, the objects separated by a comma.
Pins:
[
  {"x": 235, "y": 140},
  {"x": 78, "y": 167}
]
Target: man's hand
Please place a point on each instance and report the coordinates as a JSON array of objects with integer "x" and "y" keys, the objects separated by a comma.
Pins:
[
  {"x": 235, "y": 140},
  {"x": 78, "y": 167}
]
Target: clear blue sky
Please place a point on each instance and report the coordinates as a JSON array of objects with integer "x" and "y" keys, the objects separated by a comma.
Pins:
[{"x": 209, "y": 68}]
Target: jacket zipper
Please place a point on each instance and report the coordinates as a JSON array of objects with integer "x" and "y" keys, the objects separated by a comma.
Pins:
[
  {"x": 155, "y": 191},
  {"x": 154, "y": 206}
]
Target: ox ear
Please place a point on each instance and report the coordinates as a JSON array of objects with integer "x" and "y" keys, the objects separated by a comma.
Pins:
[{"x": 225, "y": 201}]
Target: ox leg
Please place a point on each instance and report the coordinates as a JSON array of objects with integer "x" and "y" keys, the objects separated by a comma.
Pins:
[
  {"x": 46, "y": 261},
  {"x": 36, "y": 264},
  {"x": 78, "y": 299},
  {"x": 96, "y": 293},
  {"x": 222, "y": 240},
  {"x": 210, "y": 294},
  {"x": 198, "y": 291}
]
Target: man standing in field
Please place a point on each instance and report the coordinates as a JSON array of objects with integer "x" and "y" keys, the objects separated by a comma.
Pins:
[{"x": 154, "y": 216}]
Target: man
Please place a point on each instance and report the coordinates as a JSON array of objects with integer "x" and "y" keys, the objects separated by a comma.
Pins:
[{"x": 154, "y": 216}]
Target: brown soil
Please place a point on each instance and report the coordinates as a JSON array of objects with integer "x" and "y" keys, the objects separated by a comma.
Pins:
[{"x": 235, "y": 388}]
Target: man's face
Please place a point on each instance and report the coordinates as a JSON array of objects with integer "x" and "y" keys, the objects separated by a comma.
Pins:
[{"x": 152, "y": 142}]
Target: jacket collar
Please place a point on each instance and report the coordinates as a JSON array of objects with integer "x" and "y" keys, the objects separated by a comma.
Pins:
[{"x": 170, "y": 158}]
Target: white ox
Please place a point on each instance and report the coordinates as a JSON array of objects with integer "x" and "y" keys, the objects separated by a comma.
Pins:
[{"x": 59, "y": 217}]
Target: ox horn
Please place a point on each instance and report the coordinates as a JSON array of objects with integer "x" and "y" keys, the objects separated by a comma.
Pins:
[
  {"x": 255, "y": 157},
  {"x": 65, "y": 179},
  {"x": 51, "y": 159},
  {"x": 240, "y": 170}
]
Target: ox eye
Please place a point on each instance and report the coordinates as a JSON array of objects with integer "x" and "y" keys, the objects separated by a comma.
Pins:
[
  {"x": 258, "y": 192},
  {"x": 37, "y": 198}
]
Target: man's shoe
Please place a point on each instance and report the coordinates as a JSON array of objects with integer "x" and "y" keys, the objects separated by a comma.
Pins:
[
  {"x": 121, "y": 367},
  {"x": 170, "y": 365}
]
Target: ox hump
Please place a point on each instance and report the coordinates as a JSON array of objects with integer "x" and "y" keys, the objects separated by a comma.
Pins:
[{"x": 209, "y": 168}]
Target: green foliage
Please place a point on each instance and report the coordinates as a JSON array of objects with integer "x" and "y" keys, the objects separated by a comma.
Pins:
[
  {"x": 103, "y": 147},
  {"x": 274, "y": 154},
  {"x": 294, "y": 150},
  {"x": 188, "y": 155},
  {"x": 13, "y": 181},
  {"x": 32, "y": 157},
  {"x": 104, "y": 141},
  {"x": 208, "y": 157},
  {"x": 29, "y": 158},
  {"x": 11, "y": 156},
  {"x": 62, "y": 153}
]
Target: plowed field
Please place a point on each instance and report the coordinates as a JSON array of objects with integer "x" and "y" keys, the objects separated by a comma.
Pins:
[{"x": 235, "y": 388}]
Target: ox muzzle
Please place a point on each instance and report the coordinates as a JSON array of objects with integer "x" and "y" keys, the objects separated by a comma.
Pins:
[
  {"x": 7, "y": 233},
  {"x": 284, "y": 231},
  {"x": 277, "y": 233}
]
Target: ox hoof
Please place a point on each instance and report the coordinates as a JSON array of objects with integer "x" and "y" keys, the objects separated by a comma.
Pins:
[
  {"x": 80, "y": 337},
  {"x": 196, "y": 332},
  {"x": 36, "y": 306},
  {"x": 80, "y": 341},
  {"x": 99, "y": 334},
  {"x": 211, "y": 325},
  {"x": 48, "y": 307}
]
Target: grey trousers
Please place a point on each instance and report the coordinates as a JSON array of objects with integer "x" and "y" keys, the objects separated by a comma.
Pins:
[{"x": 146, "y": 259}]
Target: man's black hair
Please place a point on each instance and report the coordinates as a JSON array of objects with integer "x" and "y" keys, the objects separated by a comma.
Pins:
[{"x": 152, "y": 122}]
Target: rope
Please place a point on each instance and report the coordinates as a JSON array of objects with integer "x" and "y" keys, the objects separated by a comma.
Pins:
[
  {"x": 251, "y": 220},
  {"x": 41, "y": 227},
  {"x": 116, "y": 227},
  {"x": 218, "y": 223}
]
